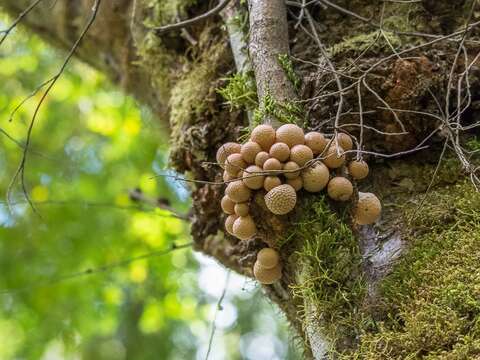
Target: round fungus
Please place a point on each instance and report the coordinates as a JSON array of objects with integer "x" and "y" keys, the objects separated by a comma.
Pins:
[
  {"x": 268, "y": 258},
  {"x": 234, "y": 164},
  {"x": 280, "y": 151},
  {"x": 368, "y": 209},
  {"x": 291, "y": 135},
  {"x": 290, "y": 168},
  {"x": 345, "y": 141},
  {"x": 332, "y": 159},
  {"x": 249, "y": 151},
  {"x": 315, "y": 178},
  {"x": 237, "y": 191},
  {"x": 225, "y": 150},
  {"x": 241, "y": 209},
  {"x": 227, "y": 177},
  {"x": 229, "y": 223},
  {"x": 296, "y": 183},
  {"x": 261, "y": 157},
  {"x": 358, "y": 169},
  {"x": 301, "y": 154},
  {"x": 281, "y": 199},
  {"x": 315, "y": 141},
  {"x": 244, "y": 227},
  {"x": 253, "y": 178},
  {"x": 340, "y": 188},
  {"x": 272, "y": 165},
  {"x": 267, "y": 276},
  {"x": 271, "y": 182},
  {"x": 227, "y": 205},
  {"x": 263, "y": 135}
]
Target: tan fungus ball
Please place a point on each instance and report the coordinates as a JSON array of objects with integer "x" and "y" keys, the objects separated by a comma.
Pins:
[
  {"x": 244, "y": 227},
  {"x": 229, "y": 223},
  {"x": 228, "y": 177},
  {"x": 368, "y": 209},
  {"x": 225, "y": 150},
  {"x": 241, "y": 209},
  {"x": 340, "y": 188},
  {"x": 267, "y": 276},
  {"x": 272, "y": 164},
  {"x": 358, "y": 169},
  {"x": 296, "y": 183},
  {"x": 280, "y": 151},
  {"x": 301, "y": 154},
  {"x": 332, "y": 160},
  {"x": 249, "y": 151},
  {"x": 315, "y": 177},
  {"x": 252, "y": 177},
  {"x": 271, "y": 182},
  {"x": 315, "y": 141},
  {"x": 263, "y": 135},
  {"x": 261, "y": 157},
  {"x": 345, "y": 141},
  {"x": 268, "y": 258},
  {"x": 237, "y": 191},
  {"x": 234, "y": 164},
  {"x": 227, "y": 205},
  {"x": 290, "y": 167},
  {"x": 291, "y": 135},
  {"x": 281, "y": 199}
]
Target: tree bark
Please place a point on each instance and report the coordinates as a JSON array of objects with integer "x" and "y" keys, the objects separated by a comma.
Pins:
[{"x": 386, "y": 296}]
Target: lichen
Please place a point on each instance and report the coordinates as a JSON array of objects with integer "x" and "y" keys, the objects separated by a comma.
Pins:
[{"x": 431, "y": 301}]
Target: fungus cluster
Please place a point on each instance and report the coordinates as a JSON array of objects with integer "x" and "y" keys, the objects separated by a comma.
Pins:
[{"x": 280, "y": 163}]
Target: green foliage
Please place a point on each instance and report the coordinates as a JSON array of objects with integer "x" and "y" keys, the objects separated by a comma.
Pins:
[
  {"x": 372, "y": 41},
  {"x": 329, "y": 260},
  {"x": 240, "y": 92},
  {"x": 433, "y": 295},
  {"x": 287, "y": 66}
]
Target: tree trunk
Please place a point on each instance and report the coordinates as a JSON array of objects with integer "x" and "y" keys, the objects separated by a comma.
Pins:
[{"x": 406, "y": 287}]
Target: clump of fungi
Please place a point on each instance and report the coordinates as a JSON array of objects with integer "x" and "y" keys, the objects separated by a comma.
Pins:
[{"x": 280, "y": 163}]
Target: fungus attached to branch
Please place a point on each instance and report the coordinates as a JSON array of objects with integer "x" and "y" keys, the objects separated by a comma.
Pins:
[
  {"x": 263, "y": 135},
  {"x": 340, "y": 188},
  {"x": 281, "y": 199},
  {"x": 238, "y": 192},
  {"x": 280, "y": 151},
  {"x": 267, "y": 276},
  {"x": 249, "y": 151},
  {"x": 244, "y": 227},
  {"x": 225, "y": 150},
  {"x": 315, "y": 178},
  {"x": 271, "y": 182},
  {"x": 335, "y": 157},
  {"x": 291, "y": 135},
  {"x": 268, "y": 258},
  {"x": 368, "y": 209},
  {"x": 315, "y": 141},
  {"x": 301, "y": 154},
  {"x": 252, "y": 177},
  {"x": 358, "y": 169}
]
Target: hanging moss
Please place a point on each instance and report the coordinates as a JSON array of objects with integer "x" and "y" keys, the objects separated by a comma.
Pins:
[{"x": 240, "y": 91}]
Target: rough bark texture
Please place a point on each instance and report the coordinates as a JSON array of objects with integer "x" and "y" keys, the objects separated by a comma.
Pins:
[{"x": 404, "y": 288}]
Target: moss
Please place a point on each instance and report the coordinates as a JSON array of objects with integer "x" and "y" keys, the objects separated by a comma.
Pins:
[
  {"x": 372, "y": 41},
  {"x": 287, "y": 66},
  {"x": 240, "y": 91},
  {"x": 431, "y": 301},
  {"x": 330, "y": 258}
]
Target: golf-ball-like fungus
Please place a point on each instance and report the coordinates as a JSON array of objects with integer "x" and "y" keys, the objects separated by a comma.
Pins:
[
  {"x": 332, "y": 159},
  {"x": 244, "y": 227},
  {"x": 225, "y": 150},
  {"x": 281, "y": 199},
  {"x": 249, "y": 151},
  {"x": 315, "y": 141},
  {"x": 296, "y": 183},
  {"x": 280, "y": 151},
  {"x": 271, "y": 182},
  {"x": 268, "y": 258},
  {"x": 234, "y": 164},
  {"x": 368, "y": 209},
  {"x": 263, "y": 135},
  {"x": 253, "y": 178},
  {"x": 241, "y": 209},
  {"x": 227, "y": 205},
  {"x": 340, "y": 188},
  {"x": 290, "y": 168},
  {"x": 267, "y": 276},
  {"x": 315, "y": 178},
  {"x": 272, "y": 164},
  {"x": 261, "y": 157},
  {"x": 237, "y": 191},
  {"x": 229, "y": 223},
  {"x": 291, "y": 135},
  {"x": 345, "y": 141},
  {"x": 301, "y": 154},
  {"x": 358, "y": 169}
]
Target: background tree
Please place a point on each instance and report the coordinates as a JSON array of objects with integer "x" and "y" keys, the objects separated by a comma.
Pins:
[{"x": 400, "y": 76}]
